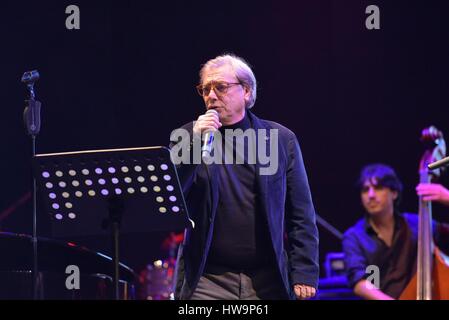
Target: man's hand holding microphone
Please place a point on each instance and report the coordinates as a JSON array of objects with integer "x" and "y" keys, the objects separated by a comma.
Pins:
[{"x": 206, "y": 125}]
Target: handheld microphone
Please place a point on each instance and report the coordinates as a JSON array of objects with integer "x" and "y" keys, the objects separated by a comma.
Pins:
[{"x": 208, "y": 139}]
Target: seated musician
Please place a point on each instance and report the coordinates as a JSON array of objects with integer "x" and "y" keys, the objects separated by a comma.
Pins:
[{"x": 385, "y": 237}]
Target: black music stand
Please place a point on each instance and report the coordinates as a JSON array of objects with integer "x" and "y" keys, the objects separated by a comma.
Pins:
[{"x": 126, "y": 190}]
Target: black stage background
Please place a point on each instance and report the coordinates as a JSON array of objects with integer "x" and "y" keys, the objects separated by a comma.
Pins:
[{"x": 127, "y": 78}]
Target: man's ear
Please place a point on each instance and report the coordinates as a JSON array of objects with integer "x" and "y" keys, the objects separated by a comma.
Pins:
[
  {"x": 247, "y": 93},
  {"x": 395, "y": 195}
]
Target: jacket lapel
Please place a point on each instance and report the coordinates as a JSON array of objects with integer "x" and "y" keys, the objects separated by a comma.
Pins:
[{"x": 262, "y": 180}]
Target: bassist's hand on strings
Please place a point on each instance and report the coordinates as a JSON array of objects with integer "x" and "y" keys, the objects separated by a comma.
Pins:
[{"x": 433, "y": 192}]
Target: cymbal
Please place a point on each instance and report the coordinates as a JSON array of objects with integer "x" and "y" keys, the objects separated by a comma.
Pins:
[{"x": 54, "y": 256}]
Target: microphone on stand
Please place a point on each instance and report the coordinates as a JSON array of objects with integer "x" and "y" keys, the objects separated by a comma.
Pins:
[
  {"x": 32, "y": 120},
  {"x": 438, "y": 164},
  {"x": 32, "y": 112},
  {"x": 206, "y": 149}
]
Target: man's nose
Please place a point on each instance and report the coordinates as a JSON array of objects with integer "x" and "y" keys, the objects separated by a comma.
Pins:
[
  {"x": 371, "y": 193},
  {"x": 212, "y": 94}
]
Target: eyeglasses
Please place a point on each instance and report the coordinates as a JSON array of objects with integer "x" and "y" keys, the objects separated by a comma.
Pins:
[{"x": 220, "y": 87}]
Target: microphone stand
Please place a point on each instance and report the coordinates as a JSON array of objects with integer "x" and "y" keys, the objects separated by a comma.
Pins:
[
  {"x": 326, "y": 225},
  {"x": 32, "y": 120}
]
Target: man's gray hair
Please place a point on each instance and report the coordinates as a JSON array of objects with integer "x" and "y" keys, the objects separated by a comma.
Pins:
[{"x": 241, "y": 69}]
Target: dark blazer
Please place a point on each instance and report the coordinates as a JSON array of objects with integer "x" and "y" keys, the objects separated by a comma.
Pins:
[{"x": 286, "y": 202}]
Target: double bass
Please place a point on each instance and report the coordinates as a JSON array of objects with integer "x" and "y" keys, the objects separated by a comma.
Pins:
[{"x": 431, "y": 281}]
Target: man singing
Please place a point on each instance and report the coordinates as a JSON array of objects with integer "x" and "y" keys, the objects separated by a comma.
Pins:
[{"x": 255, "y": 235}]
